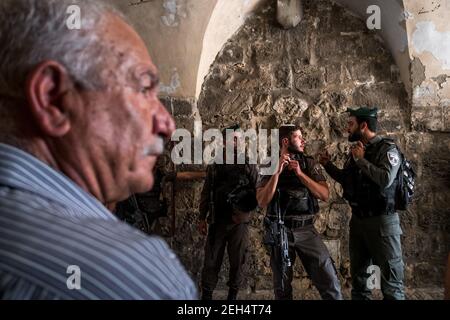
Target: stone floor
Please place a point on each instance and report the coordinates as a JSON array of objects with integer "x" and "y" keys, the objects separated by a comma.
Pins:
[{"x": 434, "y": 293}]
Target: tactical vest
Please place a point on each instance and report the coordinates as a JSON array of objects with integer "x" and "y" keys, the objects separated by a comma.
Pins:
[
  {"x": 227, "y": 178},
  {"x": 367, "y": 198},
  {"x": 295, "y": 197},
  {"x": 146, "y": 207}
]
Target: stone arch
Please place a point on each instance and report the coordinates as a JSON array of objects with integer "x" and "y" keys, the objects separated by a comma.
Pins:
[
  {"x": 235, "y": 12},
  {"x": 265, "y": 76}
]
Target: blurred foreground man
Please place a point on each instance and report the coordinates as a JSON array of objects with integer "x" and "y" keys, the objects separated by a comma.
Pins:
[{"x": 81, "y": 127}]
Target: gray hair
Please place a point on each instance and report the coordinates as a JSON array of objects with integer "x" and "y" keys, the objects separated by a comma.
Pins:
[{"x": 32, "y": 31}]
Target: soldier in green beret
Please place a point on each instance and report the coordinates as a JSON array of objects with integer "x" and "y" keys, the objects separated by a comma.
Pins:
[{"x": 369, "y": 180}]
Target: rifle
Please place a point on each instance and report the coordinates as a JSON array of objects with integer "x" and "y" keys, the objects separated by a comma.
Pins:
[
  {"x": 279, "y": 238},
  {"x": 140, "y": 217}
]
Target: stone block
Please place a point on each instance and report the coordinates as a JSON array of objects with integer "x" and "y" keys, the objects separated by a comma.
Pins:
[
  {"x": 427, "y": 118},
  {"x": 182, "y": 107}
]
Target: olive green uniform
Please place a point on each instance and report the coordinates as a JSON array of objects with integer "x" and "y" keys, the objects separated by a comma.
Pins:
[
  {"x": 223, "y": 233},
  {"x": 369, "y": 185},
  {"x": 304, "y": 240}
]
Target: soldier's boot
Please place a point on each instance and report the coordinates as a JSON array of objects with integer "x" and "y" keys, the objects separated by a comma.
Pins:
[
  {"x": 206, "y": 294},
  {"x": 232, "y": 294}
]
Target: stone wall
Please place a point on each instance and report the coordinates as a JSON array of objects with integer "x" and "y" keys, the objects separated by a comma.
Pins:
[{"x": 264, "y": 77}]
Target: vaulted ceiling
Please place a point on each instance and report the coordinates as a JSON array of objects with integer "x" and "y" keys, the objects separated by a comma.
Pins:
[{"x": 185, "y": 36}]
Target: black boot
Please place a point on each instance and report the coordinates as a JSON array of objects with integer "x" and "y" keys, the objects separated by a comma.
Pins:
[
  {"x": 232, "y": 294},
  {"x": 206, "y": 294}
]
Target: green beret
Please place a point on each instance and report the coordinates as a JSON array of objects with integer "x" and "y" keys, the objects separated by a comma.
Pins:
[{"x": 363, "y": 112}]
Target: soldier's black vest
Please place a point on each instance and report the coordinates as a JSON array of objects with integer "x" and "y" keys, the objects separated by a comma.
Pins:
[
  {"x": 365, "y": 197},
  {"x": 149, "y": 204},
  {"x": 295, "y": 197},
  {"x": 227, "y": 178}
]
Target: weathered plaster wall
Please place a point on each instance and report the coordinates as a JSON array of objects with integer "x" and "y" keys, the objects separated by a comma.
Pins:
[
  {"x": 429, "y": 49},
  {"x": 173, "y": 31}
]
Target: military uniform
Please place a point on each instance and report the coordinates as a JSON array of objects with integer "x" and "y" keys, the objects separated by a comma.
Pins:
[
  {"x": 223, "y": 231},
  {"x": 142, "y": 210},
  {"x": 298, "y": 206},
  {"x": 369, "y": 186}
]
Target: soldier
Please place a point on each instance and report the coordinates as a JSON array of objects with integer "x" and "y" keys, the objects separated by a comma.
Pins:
[
  {"x": 299, "y": 183},
  {"x": 227, "y": 198},
  {"x": 142, "y": 210},
  {"x": 369, "y": 182}
]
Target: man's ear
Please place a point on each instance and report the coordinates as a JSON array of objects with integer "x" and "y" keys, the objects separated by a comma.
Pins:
[
  {"x": 46, "y": 86},
  {"x": 285, "y": 142},
  {"x": 363, "y": 126}
]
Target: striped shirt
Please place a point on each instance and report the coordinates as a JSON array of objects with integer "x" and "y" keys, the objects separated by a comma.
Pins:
[{"x": 58, "y": 242}]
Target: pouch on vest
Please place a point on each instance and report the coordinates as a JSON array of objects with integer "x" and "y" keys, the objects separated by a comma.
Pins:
[{"x": 298, "y": 201}]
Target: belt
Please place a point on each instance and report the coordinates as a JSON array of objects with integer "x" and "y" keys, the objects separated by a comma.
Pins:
[
  {"x": 294, "y": 224},
  {"x": 369, "y": 214}
]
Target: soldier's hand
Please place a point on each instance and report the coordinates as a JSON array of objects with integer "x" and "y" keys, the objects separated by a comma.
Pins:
[
  {"x": 324, "y": 157},
  {"x": 203, "y": 227},
  {"x": 283, "y": 162},
  {"x": 295, "y": 166},
  {"x": 358, "y": 150}
]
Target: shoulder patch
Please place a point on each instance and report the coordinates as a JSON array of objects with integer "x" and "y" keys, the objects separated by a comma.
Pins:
[{"x": 393, "y": 158}]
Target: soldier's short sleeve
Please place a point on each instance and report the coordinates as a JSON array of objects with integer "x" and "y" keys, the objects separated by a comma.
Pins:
[{"x": 315, "y": 170}]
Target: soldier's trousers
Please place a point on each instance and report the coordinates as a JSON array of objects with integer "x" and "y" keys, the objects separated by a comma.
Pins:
[
  {"x": 308, "y": 245},
  {"x": 375, "y": 241},
  {"x": 233, "y": 237}
]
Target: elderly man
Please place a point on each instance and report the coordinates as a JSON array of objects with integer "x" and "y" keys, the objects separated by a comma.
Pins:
[{"x": 81, "y": 127}]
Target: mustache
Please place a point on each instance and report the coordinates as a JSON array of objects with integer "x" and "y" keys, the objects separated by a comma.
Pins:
[{"x": 155, "y": 149}]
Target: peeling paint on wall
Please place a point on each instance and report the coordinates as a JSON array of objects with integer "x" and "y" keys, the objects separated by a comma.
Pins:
[
  {"x": 174, "y": 84},
  {"x": 427, "y": 39},
  {"x": 441, "y": 79},
  {"x": 426, "y": 94},
  {"x": 406, "y": 15},
  {"x": 431, "y": 8},
  {"x": 175, "y": 9},
  {"x": 417, "y": 72}
]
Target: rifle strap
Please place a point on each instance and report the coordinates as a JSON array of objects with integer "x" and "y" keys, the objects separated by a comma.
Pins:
[{"x": 134, "y": 202}]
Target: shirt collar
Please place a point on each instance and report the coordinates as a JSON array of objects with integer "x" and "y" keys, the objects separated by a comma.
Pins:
[
  {"x": 22, "y": 171},
  {"x": 374, "y": 140}
]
